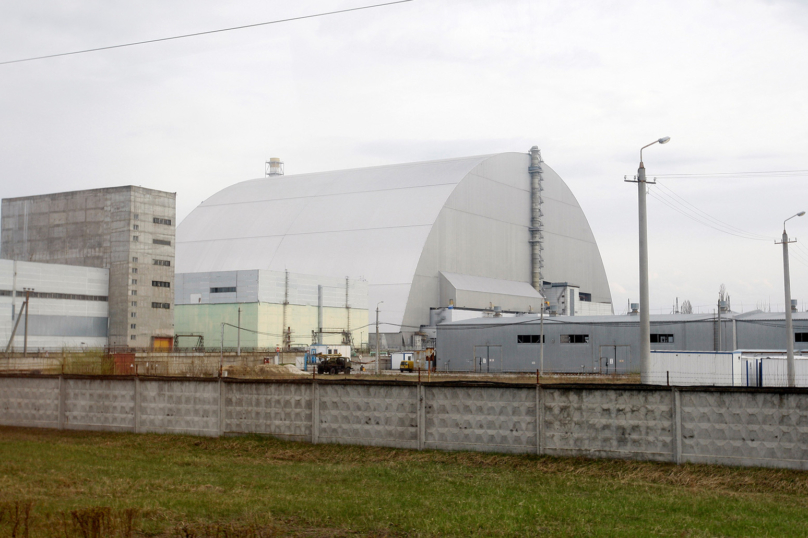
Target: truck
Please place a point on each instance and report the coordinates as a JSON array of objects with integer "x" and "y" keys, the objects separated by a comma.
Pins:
[{"x": 333, "y": 364}]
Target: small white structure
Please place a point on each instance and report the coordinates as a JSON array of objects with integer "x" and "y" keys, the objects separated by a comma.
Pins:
[{"x": 724, "y": 368}]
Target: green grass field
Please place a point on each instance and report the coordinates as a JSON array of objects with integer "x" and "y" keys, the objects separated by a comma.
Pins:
[{"x": 103, "y": 484}]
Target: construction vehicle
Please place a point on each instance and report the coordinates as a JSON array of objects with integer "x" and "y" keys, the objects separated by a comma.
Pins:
[{"x": 333, "y": 364}]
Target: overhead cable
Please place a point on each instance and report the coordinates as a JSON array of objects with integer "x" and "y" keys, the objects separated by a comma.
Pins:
[{"x": 196, "y": 34}]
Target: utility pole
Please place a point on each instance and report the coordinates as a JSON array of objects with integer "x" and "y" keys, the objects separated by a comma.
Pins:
[
  {"x": 238, "y": 338},
  {"x": 27, "y": 302},
  {"x": 541, "y": 338},
  {"x": 645, "y": 306},
  {"x": 792, "y": 373},
  {"x": 377, "y": 336}
]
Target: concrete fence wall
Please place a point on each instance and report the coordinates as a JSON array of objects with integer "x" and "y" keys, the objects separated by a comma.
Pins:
[{"x": 729, "y": 426}]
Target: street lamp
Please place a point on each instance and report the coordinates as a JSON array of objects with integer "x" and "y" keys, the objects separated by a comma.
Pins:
[
  {"x": 377, "y": 336},
  {"x": 645, "y": 313},
  {"x": 792, "y": 375}
]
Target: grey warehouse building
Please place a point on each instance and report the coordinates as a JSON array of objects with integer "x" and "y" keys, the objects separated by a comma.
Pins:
[
  {"x": 420, "y": 234},
  {"x": 127, "y": 230},
  {"x": 605, "y": 344}
]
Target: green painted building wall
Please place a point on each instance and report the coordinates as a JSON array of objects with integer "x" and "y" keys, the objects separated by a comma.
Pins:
[{"x": 263, "y": 324}]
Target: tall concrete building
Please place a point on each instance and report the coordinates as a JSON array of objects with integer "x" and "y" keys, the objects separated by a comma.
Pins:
[{"x": 128, "y": 230}]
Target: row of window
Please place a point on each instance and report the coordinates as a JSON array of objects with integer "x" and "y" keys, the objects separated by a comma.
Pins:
[
  {"x": 136, "y": 239},
  {"x": 163, "y": 263},
  {"x": 46, "y": 295},
  {"x": 167, "y": 306},
  {"x": 155, "y": 283},
  {"x": 156, "y": 220},
  {"x": 223, "y": 290},
  {"x": 584, "y": 338}
]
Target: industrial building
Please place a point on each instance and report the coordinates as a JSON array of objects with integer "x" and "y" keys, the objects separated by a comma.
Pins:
[
  {"x": 68, "y": 306},
  {"x": 603, "y": 344},
  {"x": 276, "y": 309},
  {"x": 127, "y": 230},
  {"x": 475, "y": 232}
]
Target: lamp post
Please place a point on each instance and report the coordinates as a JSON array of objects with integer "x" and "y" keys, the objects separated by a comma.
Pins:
[
  {"x": 792, "y": 375},
  {"x": 645, "y": 313},
  {"x": 377, "y": 336}
]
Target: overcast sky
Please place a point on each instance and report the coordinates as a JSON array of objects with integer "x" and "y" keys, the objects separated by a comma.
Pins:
[{"x": 588, "y": 82}]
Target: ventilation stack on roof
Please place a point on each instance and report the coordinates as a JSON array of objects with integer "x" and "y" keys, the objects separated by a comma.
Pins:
[{"x": 273, "y": 167}]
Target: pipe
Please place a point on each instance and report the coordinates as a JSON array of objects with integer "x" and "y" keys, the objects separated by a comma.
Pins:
[{"x": 536, "y": 238}]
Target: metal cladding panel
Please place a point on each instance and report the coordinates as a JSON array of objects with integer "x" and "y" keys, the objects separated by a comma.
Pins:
[
  {"x": 609, "y": 423},
  {"x": 484, "y": 419},
  {"x": 190, "y": 407},
  {"x": 368, "y": 415},
  {"x": 29, "y": 402},
  {"x": 101, "y": 404},
  {"x": 281, "y": 410},
  {"x": 742, "y": 428}
]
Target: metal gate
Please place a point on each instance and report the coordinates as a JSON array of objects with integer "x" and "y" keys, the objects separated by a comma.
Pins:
[
  {"x": 488, "y": 359},
  {"x": 614, "y": 359}
]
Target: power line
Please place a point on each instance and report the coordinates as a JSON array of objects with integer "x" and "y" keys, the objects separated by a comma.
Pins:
[
  {"x": 196, "y": 34},
  {"x": 771, "y": 173},
  {"x": 700, "y": 220},
  {"x": 682, "y": 201}
]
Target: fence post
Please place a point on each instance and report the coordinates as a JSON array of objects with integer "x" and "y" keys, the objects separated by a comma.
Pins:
[
  {"x": 62, "y": 402},
  {"x": 222, "y": 409},
  {"x": 677, "y": 427},
  {"x": 539, "y": 420},
  {"x": 137, "y": 405},
  {"x": 421, "y": 415},
  {"x": 315, "y": 412}
]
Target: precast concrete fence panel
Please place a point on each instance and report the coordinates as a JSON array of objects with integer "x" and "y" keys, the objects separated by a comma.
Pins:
[
  {"x": 368, "y": 414},
  {"x": 720, "y": 425},
  {"x": 31, "y": 402},
  {"x": 610, "y": 423},
  {"x": 743, "y": 428},
  {"x": 478, "y": 418},
  {"x": 99, "y": 404},
  {"x": 282, "y": 410},
  {"x": 180, "y": 406}
]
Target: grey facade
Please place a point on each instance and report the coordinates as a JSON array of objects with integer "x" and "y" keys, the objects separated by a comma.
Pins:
[
  {"x": 400, "y": 227},
  {"x": 729, "y": 426},
  {"x": 601, "y": 344},
  {"x": 128, "y": 230}
]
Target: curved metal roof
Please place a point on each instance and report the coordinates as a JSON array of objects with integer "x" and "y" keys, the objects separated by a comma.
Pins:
[{"x": 392, "y": 225}]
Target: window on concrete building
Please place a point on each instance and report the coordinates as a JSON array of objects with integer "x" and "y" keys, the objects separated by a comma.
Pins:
[
  {"x": 134, "y": 281},
  {"x": 161, "y": 242},
  {"x": 134, "y": 292},
  {"x": 167, "y": 306},
  {"x": 132, "y": 314},
  {"x": 134, "y": 259},
  {"x": 529, "y": 339},
  {"x": 801, "y": 337},
  {"x": 134, "y": 303},
  {"x": 158, "y": 220},
  {"x": 135, "y": 227},
  {"x": 133, "y": 325},
  {"x": 164, "y": 263},
  {"x": 223, "y": 290},
  {"x": 136, "y": 216},
  {"x": 160, "y": 284},
  {"x": 134, "y": 270},
  {"x": 574, "y": 338},
  {"x": 135, "y": 238},
  {"x": 661, "y": 338},
  {"x": 133, "y": 337},
  {"x": 586, "y": 297}
]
